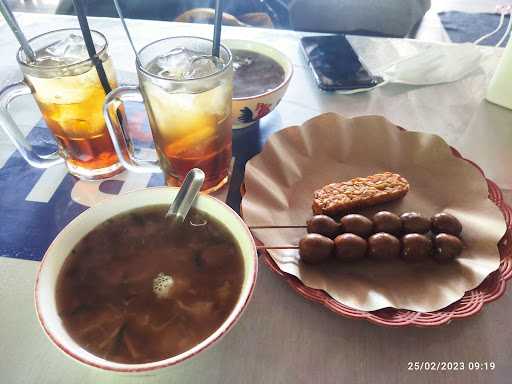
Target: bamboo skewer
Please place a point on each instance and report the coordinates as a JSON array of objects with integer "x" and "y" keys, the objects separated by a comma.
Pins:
[
  {"x": 277, "y": 247},
  {"x": 275, "y": 226}
]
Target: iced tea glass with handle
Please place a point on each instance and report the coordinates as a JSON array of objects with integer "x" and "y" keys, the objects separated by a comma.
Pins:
[
  {"x": 64, "y": 82},
  {"x": 187, "y": 96}
]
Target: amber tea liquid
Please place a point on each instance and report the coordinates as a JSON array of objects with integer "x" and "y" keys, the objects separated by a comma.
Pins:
[
  {"x": 190, "y": 121},
  {"x": 71, "y": 103},
  {"x": 205, "y": 145}
]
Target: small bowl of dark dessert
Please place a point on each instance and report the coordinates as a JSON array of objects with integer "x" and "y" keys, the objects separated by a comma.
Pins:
[
  {"x": 261, "y": 78},
  {"x": 125, "y": 290}
]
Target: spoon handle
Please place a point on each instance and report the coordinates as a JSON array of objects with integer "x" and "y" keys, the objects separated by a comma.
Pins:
[{"x": 186, "y": 195}]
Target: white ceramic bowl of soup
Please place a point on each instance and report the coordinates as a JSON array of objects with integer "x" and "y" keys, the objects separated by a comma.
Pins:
[
  {"x": 249, "y": 109},
  {"x": 47, "y": 275}
]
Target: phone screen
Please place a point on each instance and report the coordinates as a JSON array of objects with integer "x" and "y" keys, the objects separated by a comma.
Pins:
[{"x": 335, "y": 63}]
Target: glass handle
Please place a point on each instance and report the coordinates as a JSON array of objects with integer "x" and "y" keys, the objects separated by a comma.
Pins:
[
  {"x": 120, "y": 138},
  {"x": 12, "y": 130}
]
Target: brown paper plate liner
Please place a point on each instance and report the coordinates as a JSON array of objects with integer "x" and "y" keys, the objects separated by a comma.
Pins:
[{"x": 470, "y": 304}]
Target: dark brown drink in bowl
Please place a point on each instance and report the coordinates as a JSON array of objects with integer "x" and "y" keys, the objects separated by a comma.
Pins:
[
  {"x": 137, "y": 289},
  {"x": 255, "y": 73}
]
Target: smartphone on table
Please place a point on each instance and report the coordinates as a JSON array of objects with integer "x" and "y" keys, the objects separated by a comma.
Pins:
[{"x": 335, "y": 64}]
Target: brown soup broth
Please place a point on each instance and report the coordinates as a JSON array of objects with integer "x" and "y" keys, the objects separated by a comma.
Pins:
[
  {"x": 115, "y": 297},
  {"x": 255, "y": 73}
]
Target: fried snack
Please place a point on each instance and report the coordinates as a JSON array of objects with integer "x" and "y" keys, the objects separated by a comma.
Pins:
[{"x": 338, "y": 198}]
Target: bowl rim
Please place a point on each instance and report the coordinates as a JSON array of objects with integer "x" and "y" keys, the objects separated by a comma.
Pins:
[
  {"x": 151, "y": 366},
  {"x": 274, "y": 50}
]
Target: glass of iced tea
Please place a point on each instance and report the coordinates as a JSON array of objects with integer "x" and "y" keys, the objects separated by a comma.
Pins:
[
  {"x": 187, "y": 95},
  {"x": 68, "y": 91}
]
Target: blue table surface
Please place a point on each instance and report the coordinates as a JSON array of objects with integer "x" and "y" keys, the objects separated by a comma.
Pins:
[{"x": 28, "y": 227}]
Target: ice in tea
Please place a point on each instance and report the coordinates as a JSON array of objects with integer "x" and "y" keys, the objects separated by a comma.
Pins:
[
  {"x": 191, "y": 123},
  {"x": 71, "y": 101}
]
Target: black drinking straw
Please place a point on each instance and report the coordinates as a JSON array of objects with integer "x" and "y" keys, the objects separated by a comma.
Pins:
[
  {"x": 219, "y": 8},
  {"x": 89, "y": 43},
  {"x": 13, "y": 24},
  {"x": 121, "y": 17}
]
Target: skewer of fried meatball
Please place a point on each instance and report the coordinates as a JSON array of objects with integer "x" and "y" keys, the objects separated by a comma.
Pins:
[{"x": 386, "y": 236}]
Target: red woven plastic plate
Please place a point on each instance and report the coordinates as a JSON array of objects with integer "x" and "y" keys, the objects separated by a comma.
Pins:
[{"x": 471, "y": 303}]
